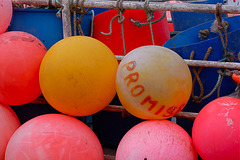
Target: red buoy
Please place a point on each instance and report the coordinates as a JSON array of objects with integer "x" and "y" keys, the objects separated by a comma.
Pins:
[
  {"x": 9, "y": 123},
  {"x": 216, "y": 130},
  {"x": 156, "y": 140},
  {"x": 5, "y": 14},
  {"x": 54, "y": 137},
  {"x": 20, "y": 58}
]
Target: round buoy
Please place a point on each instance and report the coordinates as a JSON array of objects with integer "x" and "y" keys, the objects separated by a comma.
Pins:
[
  {"x": 77, "y": 76},
  {"x": 54, "y": 137},
  {"x": 9, "y": 124},
  {"x": 153, "y": 82},
  {"x": 154, "y": 140},
  {"x": 20, "y": 58},
  {"x": 5, "y": 14},
  {"x": 216, "y": 130}
]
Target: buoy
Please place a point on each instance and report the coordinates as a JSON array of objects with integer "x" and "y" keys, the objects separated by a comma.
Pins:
[
  {"x": 5, "y": 14},
  {"x": 54, "y": 137},
  {"x": 20, "y": 58},
  {"x": 153, "y": 82},
  {"x": 77, "y": 76},
  {"x": 154, "y": 140},
  {"x": 216, "y": 130},
  {"x": 9, "y": 124}
]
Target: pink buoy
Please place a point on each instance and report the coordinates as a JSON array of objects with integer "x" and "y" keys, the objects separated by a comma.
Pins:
[
  {"x": 9, "y": 124},
  {"x": 20, "y": 58},
  {"x": 54, "y": 137},
  {"x": 216, "y": 130},
  {"x": 135, "y": 36},
  {"x": 156, "y": 140},
  {"x": 5, "y": 14}
]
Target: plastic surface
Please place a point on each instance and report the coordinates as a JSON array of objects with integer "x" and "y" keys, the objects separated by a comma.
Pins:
[
  {"x": 134, "y": 36},
  {"x": 216, "y": 130},
  {"x": 54, "y": 137},
  {"x": 154, "y": 140},
  {"x": 5, "y": 14},
  {"x": 9, "y": 124},
  {"x": 153, "y": 82},
  {"x": 185, "y": 20},
  {"x": 77, "y": 76},
  {"x": 186, "y": 42},
  {"x": 44, "y": 24},
  {"x": 20, "y": 58}
]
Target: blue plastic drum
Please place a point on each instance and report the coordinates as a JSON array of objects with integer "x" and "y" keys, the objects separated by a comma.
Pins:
[
  {"x": 185, "y": 20},
  {"x": 44, "y": 24}
]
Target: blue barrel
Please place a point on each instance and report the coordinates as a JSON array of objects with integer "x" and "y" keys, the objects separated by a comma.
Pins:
[
  {"x": 187, "y": 41},
  {"x": 43, "y": 23},
  {"x": 184, "y": 20}
]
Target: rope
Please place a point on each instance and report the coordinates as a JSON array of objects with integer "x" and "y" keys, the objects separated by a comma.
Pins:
[
  {"x": 221, "y": 28},
  {"x": 79, "y": 27},
  {"x": 218, "y": 26},
  {"x": 139, "y": 24},
  {"x": 58, "y": 14},
  {"x": 149, "y": 18},
  {"x": 93, "y": 15},
  {"x": 197, "y": 78},
  {"x": 110, "y": 26},
  {"x": 74, "y": 16},
  {"x": 218, "y": 85},
  {"x": 203, "y": 34},
  {"x": 121, "y": 18},
  {"x": 78, "y": 20},
  {"x": 151, "y": 30}
]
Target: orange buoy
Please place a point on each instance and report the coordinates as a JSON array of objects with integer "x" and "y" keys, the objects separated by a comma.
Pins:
[
  {"x": 153, "y": 82},
  {"x": 9, "y": 124},
  {"x": 20, "y": 58},
  {"x": 77, "y": 76},
  {"x": 5, "y": 14},
  {"x": 54, "y": 137}
]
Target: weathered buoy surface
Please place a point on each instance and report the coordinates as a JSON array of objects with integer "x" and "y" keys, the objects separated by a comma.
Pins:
[
  {"x": 9, "y": 124},
  {"x": 153, "y": 82},
  {"x": 77, "y": 76},
  {"x": 20, "y": 57},
  {"x": 216, "y": 130},
  {"x": 54, "y": 137},
  {"x": 154, "y": 140},
  {"x": 5, "y": 14}
]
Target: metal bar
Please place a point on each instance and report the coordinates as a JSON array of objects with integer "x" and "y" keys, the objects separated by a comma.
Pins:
[
  {"x": 117, "y": 108},
  {"x": 213, "y": 64},
  {"x": 66, "y": 19},
  {"x": 182, "y": 7},
  {"x": 201, "y": 63},
  {"x": 33, "y": 2}
]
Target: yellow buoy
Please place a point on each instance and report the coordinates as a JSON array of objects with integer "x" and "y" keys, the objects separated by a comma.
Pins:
[
  {"x": 77, "y": 76},
  {"x": 153, "y": 82}
]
